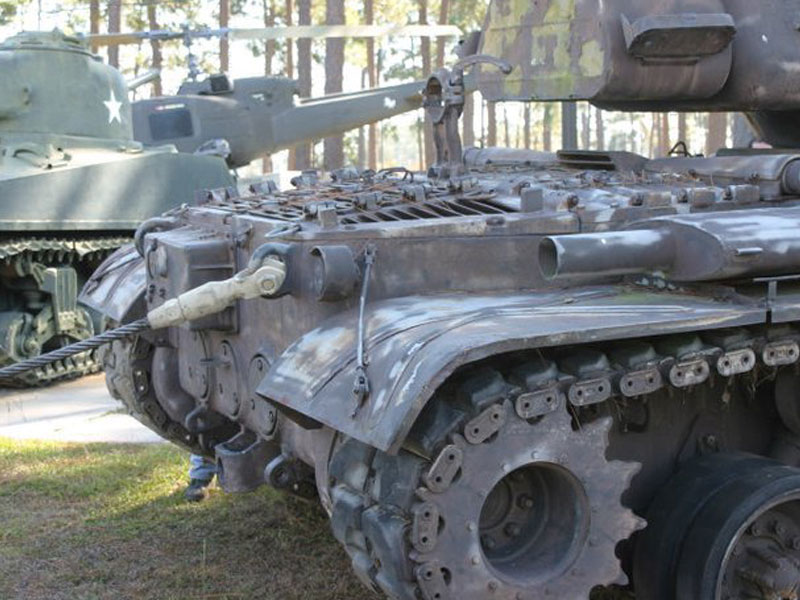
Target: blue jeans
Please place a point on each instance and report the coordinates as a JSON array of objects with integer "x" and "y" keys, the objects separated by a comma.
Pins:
[{"x": 202, "y": 468}]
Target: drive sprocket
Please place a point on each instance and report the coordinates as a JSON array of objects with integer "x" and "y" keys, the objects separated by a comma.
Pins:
[{"x": 505, "y": 508}]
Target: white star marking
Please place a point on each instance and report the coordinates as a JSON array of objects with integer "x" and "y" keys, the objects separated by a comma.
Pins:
[{"x": 113, "y": 105}]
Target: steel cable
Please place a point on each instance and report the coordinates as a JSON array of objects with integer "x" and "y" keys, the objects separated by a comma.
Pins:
[{"x": 11, "y": 371}]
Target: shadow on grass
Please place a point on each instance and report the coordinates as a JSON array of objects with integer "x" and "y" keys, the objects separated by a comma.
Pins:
[{"x": 109, "y": 521}]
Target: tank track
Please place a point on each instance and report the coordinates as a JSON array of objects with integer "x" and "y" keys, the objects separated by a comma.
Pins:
[
  {"x": 380, "y": 503},
  {"x": 45, "y": 249},
  {"x": 86, "y": 252},
  {"x": 127, "y": 365}
]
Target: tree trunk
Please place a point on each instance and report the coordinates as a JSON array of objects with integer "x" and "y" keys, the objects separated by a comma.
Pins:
[
  {"x": 506, "y": 128},
  {"x": 289, "y": 42},
  {"x": 468, "y": 118},
  {"x": 224, "y": 47},
  {"x": 717, "y": 132},
  {"x": 268, "y": 7},
  {"x": 425, "y": 50},
  {"x": 334, "y": 75},
  {"x": 664, "y": 135},
  {"x": 289, "y": 9},
  {"x": 114, "y": 23},
  {"x": 303, "y": 151},
  {"x": 420, "y": 144},
  {"x": 94, "y": 19},
  {"x": 569, "y": 126},
  {"x": 362, "y": 131},
  {"x": 586, "y": 128},
  {"x": 652, "y": 146},
  {"x": 491, "y": 126},
  {"x": 526, "y": 119},
  {"x": 599, "y": 126},
  {"x": 372, "y": 81},
  {"x": 682, "y": 129},
  {"x": 155, "y": 47},
  {"x": 444, "y": 10},
  {"x": 547, "y": 128}
]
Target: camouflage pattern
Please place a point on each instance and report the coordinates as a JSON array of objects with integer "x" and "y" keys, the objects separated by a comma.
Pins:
[{"x": 669, "y": 54}]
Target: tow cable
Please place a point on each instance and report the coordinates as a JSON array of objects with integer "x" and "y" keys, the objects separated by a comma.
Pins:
[{"x": 263, "y": 276}]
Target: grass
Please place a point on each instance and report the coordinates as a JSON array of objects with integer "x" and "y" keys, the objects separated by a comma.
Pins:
[{"x": 97, "y": 521}]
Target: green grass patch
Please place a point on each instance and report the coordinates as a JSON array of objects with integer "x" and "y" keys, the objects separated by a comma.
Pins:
[{"x": 97, "y": 521}]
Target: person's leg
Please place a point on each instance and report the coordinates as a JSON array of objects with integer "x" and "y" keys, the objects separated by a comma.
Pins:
[
  {"x": 202, "y": 468},
  {"x": 201, "y": 472}
]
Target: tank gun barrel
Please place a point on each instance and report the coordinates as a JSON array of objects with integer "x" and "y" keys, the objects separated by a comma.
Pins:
[
  {"x": 143, "y": 79},
  {"x": 334, "y": 114},
  {"x": 685, "y": 248}
]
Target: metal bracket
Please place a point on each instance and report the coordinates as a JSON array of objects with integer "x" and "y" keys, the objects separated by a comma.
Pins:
[{"x": 443, "y": 100}]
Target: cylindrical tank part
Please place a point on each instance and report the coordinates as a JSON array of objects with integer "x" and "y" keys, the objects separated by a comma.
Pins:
[{"x": 609, "y": 253}]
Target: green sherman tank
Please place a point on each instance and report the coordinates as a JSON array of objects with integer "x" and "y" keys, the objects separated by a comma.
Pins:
[
  {"x": 80, "y": 169},
  {"x": 74, "y": 186}
]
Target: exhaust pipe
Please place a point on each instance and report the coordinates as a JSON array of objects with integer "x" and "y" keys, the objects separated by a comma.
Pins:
[{"x": 700, "y": 247}]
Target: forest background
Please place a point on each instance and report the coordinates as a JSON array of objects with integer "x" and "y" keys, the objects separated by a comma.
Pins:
[{"x": 334, "y": 65}]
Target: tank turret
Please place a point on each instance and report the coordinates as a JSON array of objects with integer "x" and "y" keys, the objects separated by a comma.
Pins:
[
  {"x": 53, "y": 85},
  {"x": 675, "y": 55}
]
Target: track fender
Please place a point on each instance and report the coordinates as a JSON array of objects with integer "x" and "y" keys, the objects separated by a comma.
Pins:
[
  {"x": 116, "y": 289},
  {"x": 414, "y": 343}
]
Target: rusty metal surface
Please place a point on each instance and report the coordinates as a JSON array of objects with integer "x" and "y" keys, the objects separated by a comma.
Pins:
[
  {"x": 415, "y": 343},
  {"x": 456, "y": 274}
]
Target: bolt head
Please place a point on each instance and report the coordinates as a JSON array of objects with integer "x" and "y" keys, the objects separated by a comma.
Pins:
[
  {"x": 267, "y": 285},
  {"x": 512, "y": 530},
  {"x": 525, "y": 502}
]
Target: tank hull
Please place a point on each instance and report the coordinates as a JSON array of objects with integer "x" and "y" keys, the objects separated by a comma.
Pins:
[{"x": 428, "y": 373}]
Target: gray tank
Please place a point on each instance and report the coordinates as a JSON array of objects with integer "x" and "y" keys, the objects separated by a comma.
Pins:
[
  {"x": 521, "y": 375},
  {"x": 74, "y": 186}
]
